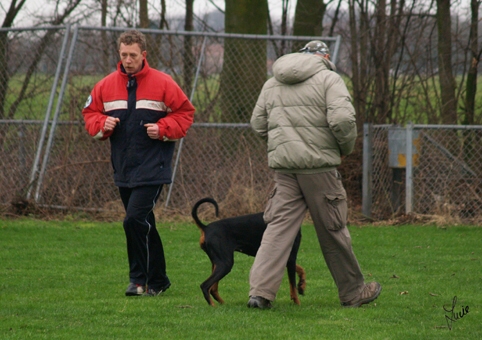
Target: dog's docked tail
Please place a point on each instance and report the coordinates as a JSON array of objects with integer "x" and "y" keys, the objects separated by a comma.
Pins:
[{"x": 197, "y": 205}]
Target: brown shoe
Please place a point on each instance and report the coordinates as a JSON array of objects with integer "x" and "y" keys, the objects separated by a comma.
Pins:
[
  {"x": 369, "y": 293},
  {"x": 259, "y": 302}
]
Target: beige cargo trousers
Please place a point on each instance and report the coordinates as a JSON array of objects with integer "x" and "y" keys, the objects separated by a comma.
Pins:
[{"x": 324, "y": 196}]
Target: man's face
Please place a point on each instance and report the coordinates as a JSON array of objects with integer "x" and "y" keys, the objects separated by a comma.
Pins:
[{"x": 131, "y": 57}]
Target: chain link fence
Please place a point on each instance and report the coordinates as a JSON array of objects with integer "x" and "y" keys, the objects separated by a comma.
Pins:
[
  {"x": 47, "y": 158},
  {"x": 30, "y": 66},
  {"x": 438, "y": 173}
]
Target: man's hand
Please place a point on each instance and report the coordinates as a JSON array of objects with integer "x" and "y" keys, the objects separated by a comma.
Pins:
[
  {"x": 110, "y": 123},
  {"x": 152, "y": 130}
]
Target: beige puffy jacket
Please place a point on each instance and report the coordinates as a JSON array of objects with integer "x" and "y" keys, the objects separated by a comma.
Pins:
[{"x": 306, "y": 115}]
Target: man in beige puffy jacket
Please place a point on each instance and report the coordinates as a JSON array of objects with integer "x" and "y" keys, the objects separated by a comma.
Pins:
[{"x": 306, "y": 116}]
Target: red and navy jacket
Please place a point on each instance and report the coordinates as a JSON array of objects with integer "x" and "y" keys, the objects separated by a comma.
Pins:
[{"x": 149, "y": 96}]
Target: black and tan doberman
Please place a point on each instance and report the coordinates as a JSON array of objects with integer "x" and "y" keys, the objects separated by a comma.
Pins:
[{"x": 220, "y": 239}]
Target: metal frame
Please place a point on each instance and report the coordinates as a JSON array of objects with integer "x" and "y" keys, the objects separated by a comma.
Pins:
[
  {"x": 39, "y": 168},
  {"x": 35, "y": 171},
  {"x": 368, "y": 159}
]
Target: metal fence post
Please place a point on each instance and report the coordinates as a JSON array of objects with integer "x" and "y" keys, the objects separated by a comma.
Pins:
[
  {"x": 409, "y": 169},
  {"x": 56, "y": 114},
  {"x": 53, "y": 91},
  {"x": 367, "y": 169}
]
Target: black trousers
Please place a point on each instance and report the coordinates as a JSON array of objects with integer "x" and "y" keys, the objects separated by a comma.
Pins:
[{"x": 147, "y": 265}]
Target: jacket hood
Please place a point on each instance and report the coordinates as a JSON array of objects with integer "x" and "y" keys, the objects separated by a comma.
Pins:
[{"x": 294, "y": 68}]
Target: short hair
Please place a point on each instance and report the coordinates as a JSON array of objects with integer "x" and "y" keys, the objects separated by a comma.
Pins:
[{"x": 132, "y": 37}]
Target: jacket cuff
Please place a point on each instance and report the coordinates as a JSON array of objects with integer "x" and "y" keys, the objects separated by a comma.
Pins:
[{"x": 99, "y": 134}]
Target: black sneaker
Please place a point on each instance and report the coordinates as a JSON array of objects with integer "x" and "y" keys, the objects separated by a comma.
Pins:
[
  {"x": 259, "y": 302},
  {"x": 156, "y": 291},
  {"x": 135, "y": 289}
]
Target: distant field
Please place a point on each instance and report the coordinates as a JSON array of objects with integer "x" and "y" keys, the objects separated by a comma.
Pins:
[
  {"x": 409, "y": 104},
  {"x": 38, "y": 93}
]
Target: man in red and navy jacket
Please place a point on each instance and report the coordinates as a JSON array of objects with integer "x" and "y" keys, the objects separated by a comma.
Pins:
[{"x": 143, "y": 112}]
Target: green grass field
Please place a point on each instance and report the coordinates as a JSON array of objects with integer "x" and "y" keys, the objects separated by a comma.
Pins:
[{"x": 66, "y": 280}]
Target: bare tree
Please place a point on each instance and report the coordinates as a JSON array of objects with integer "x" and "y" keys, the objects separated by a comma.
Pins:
[
  {"x": 447, "y": 81},
  {"x": 188, "y": 56},
  {"x": 144, "y": 22},
  {"x": 384, "y": 42},
  {"x": 308, "y": 19},
  {"x": 143, "y": 14},
  {"x": 105, "y": 40},
  {"x": 124, "y": 13},
  {"x": 11, "y": 14},
  {"x": 471, "y": 82},
  {"x": 163, "y": 22},
  {"x": 393, "y": 64},
  {"x": 475, "y": 55},
  {"x": 280, "y": 50},
  {"x": 37, "y": 52},
  {"x": 335, "y": 18},
  {"x": 359, "y": 34}
]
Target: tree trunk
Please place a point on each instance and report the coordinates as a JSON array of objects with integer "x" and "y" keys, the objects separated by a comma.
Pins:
[
  {"x": 385, "y": 41},
  {"x": 284, "y": 25},
  {"x": 4, "y": 76},
  {"x": 308, "y": 20},
  {"x": 447, "y": 81},
  {"x": 381, "y": 72},
  {"x": 143, "y": 14},
  {"x": 188, "y": 57},
  {"x": 471, "y": 84},
  {"x": 244, "y": 68},
  {"x": 359, "y": 54},
  {"x": 163, "y": 21},
  {"x": 105, "y": 40}
]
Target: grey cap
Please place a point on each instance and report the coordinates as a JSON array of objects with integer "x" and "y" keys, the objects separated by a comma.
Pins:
[{"x": 315, "y": 46}]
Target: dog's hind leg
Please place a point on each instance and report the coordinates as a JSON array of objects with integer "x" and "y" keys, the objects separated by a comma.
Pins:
[
  {"x": 293, "y": 269},
  {"x": 215, "y": 293},
  {"x": 210, "y": 286},
  {"x": 301, "y": 282},
  {"x": 301, "y": 279},
  {"x": 206, "y": 287},
  {"x": 292, "y": 280}
]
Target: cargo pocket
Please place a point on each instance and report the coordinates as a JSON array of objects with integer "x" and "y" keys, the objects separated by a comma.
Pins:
[
  {"x": 268, "y": 211},
  {"x": 337, "y": 210}
]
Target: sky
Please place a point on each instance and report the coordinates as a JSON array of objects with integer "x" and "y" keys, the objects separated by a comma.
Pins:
[
  {"x": 174, "y": 8},
  {"x": 204, "y": 6}
]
